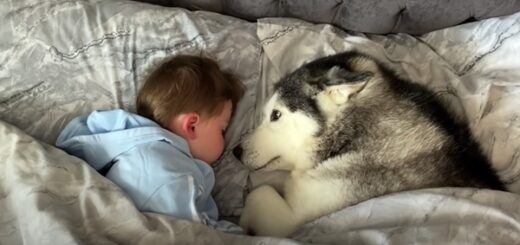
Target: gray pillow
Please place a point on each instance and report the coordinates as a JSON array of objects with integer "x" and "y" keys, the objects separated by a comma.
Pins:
[{"x": 369, "y": 16}]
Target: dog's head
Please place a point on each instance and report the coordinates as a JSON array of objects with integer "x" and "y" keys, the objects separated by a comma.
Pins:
[{"x": 303, "y": 104}]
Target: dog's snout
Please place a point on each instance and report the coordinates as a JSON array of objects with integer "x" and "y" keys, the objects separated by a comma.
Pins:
[{"x": 237, "y": 151}]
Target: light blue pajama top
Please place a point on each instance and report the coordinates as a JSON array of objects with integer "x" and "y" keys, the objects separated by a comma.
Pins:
[{"x": 151, "y": 164}]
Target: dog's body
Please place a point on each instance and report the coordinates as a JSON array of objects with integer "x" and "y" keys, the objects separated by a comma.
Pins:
[{"x": 350, "y": 129}]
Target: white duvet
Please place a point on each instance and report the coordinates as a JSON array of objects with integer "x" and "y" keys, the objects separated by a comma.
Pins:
[{"x": 60, "y": 59}]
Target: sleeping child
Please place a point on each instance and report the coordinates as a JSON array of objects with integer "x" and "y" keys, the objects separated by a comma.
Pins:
[{"x": 161, "y": 157}]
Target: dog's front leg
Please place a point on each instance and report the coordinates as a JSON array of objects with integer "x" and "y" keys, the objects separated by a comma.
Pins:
[
  {"x": 266, "y": 213},
  {"x": 307, "y": 196}
]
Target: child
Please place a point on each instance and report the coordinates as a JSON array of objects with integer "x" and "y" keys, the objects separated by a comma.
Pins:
[{"x": 162, "y": 157}]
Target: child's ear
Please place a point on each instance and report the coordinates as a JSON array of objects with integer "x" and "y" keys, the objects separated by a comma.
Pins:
[{"x": 189, "y": 121}]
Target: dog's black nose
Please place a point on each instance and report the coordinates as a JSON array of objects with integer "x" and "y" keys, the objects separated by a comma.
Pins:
[{"x": 238, "y": 152}]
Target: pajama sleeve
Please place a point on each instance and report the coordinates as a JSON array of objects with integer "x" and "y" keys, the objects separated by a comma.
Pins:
[{"x": 176, "y": 198}]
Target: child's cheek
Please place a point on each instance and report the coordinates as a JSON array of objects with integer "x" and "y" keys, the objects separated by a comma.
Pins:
[{"x": 222, "y": 144}]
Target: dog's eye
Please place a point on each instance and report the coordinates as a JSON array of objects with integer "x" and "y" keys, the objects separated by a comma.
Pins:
[{"x": 275, "y": 115}]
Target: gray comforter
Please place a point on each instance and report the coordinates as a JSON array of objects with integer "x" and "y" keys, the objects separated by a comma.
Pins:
[
  {"x": 369, "y": 16},
  {"x": 60, "y": 59}
]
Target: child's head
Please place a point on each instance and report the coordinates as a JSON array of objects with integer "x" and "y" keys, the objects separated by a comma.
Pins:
[{"x": 194, "y": 99}]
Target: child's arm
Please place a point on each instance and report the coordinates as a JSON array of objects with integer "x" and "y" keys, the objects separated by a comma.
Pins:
[
  {"x": 68, "y": 138},
  {"x": 77, "y": 126},
  {"x": 77, "y": 140},
  {"x": 176, "y": 198}
]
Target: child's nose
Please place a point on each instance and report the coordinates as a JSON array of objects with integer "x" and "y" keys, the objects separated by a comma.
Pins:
[{"x": 237, "y": 151}]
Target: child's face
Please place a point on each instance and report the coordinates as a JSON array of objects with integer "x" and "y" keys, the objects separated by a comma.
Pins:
[{"x": 209, "y": 144}]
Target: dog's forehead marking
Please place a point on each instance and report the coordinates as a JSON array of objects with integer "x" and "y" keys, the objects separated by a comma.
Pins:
[
  {"x": 269, "y": 106},
  {"x": 271, "y": 102}
]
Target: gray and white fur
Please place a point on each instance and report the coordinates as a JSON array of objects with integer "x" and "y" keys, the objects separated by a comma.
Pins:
[{"x": 350, "y": 129}]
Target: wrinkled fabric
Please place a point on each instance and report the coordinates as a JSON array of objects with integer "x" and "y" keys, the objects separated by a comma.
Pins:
[
  {"x": 45, "y": 191},
  {"x": 62, "y": 59}
]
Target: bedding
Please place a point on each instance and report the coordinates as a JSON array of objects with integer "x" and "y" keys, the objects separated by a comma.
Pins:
[
  {"x": 369, "y": 16},
  {"x": 61, "y": 59}
]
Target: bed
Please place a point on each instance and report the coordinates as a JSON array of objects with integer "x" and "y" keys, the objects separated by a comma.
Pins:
[{"x": 63, "y": 58}]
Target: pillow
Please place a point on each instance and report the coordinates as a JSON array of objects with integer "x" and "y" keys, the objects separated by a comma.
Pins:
[{"x": 373, "y": 16}]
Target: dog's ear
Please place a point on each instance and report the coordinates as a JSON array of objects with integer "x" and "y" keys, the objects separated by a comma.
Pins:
[
  {"x": 341, "y": 84},
  {"x": 338, "y": 76},
  {"x": 310, "y": 89}
]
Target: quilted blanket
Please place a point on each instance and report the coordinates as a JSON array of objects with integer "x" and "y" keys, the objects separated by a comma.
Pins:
[{"x": 63, "y": 58}]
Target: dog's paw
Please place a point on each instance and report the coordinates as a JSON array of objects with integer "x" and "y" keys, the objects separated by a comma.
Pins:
[
  {"x": 276, "y": 165},
  {"x": 267, "y": 214}
]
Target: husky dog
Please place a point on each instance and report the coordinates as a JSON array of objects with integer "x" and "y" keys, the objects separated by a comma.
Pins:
[{"x": 350, "y": 129}]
